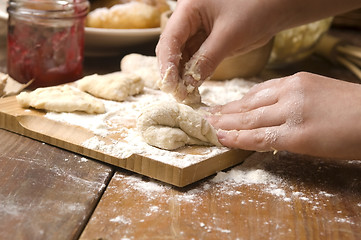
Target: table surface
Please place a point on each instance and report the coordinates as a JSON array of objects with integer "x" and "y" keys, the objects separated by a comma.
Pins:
[{"x": 50, "y": 193}]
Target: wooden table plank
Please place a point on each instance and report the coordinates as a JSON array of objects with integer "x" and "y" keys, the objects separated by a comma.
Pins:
[
  {"x": 46, "y": 192},
  {"x": 285, "y": 196}
]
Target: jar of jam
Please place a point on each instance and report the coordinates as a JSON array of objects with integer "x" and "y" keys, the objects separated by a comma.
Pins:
[{"x": 46, "y": 41}]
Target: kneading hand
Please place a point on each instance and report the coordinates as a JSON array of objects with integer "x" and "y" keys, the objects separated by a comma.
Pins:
[
  {"x": 201, "y": 33},
  {"x": 304, "y": 113}
]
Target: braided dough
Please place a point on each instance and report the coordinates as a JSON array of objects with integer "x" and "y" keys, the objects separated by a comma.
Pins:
[{"x": 173, "y": 125}]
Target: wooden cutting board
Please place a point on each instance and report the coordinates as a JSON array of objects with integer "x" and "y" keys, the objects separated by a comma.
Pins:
[{"x": 33, "y": 123}]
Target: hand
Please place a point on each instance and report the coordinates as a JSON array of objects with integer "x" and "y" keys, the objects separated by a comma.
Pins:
[
  {"x": 304, "y": 113},
  {"x": 201, "y": 33}
]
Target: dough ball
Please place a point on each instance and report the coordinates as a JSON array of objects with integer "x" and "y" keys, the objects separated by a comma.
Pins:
[
  {"x": 173, "y": 125},
  {"x": 146, "y": 67}
]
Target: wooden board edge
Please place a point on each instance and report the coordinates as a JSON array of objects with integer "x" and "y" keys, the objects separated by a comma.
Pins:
[
  {"x": 139, "y": 164},
  {"x": 57, "y": 134}
]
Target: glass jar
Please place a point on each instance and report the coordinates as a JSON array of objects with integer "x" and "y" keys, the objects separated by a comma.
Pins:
[{"x": 46, "y": 40}]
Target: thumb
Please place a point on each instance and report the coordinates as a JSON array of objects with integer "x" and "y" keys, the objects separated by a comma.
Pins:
[{"x": 204, "y": 62}]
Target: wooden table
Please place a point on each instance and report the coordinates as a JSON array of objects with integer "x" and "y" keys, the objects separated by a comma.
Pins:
[{"x": 50, "y": 193}]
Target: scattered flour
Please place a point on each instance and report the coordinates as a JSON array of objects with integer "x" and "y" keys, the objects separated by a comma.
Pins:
[
  {"x": 256, "y": 176},
  {"x": 83, "y": 159},
  {"x": 121, "y": 219},
  {"x": 152, "y": 187},
  {"x": 116, "y": 134},
  {"x": 251, "y": 185}
]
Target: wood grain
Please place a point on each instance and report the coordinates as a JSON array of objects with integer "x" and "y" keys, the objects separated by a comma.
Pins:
[
  {"x": 45, "y": 192},
  {"x": 315, "y": 199},
  {"x": 33, "y": 124}
]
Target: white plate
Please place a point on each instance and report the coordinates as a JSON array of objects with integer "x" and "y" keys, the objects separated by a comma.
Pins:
[{"x": 103, "y": 42}]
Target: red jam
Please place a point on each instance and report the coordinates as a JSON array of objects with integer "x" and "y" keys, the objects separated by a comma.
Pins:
[{"x": 49, "y": 51}]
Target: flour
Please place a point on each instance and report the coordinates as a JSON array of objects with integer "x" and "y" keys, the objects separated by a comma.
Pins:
[
  {"x": 248, "y": 192},
  {"x": 115, "y": 130},
  {"x": 121, "y": 219},
  {"x": 227, "y": 91},
  {"x": 256, "y": 176}
]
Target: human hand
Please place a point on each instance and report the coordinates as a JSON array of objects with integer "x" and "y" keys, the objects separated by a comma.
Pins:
[
  {"x": 200, "y": 34},
  {"x": 304, "y": 113}
]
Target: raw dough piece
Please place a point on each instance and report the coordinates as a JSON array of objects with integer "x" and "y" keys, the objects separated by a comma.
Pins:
[
  {"x": 146, "y": 67},
  {"x": 9, "y": 87},
  {"x": 61, "y": 99},
  {"x": 3, "y": 80},
  {"x": 114, "y": 86},
  {"x": 179, "y": 90},
  {"x": 172, "y": 125}
]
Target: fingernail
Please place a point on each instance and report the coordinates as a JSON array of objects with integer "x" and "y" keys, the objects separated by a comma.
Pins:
[{"x": 221, "y": 134}]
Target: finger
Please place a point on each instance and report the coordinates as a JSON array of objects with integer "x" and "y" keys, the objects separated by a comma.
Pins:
[
  {"x": 257, "y": 118},
  {"x": 170, "y": 79},
  {"x": 261, "y": 139},
  {"x": 169, "y": 48},
  {"x": 212, "y": 51},
  {"x": 181, "y": 92},
  {"x": 191, "y": 47},
  {"x": 261, "y": 95}
]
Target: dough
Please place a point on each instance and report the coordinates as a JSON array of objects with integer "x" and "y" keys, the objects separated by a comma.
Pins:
[
  {"x": 61, "y": 99},
  {"x": 10, "y": 87},
  {"x": 179, "y": 90},
  {"x": 172, "y": 125},
  {"x": 114, "y": 86},
  {"x": 3, "y": 80},
  {"x": 146, "y": 67}
]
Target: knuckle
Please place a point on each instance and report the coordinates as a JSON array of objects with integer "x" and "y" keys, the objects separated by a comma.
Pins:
[
  {"x": 266, "y": 140},
  {"x": 259, "y": 139},
  {"x": 208, "y": 65},
  {"x": 299, "y": 79},
  {"x": 244, "y": 120}
]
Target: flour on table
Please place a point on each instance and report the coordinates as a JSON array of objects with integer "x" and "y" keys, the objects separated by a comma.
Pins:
[
  {"x": 255, "y": 185},
  {"x": 115, "y": 130}
]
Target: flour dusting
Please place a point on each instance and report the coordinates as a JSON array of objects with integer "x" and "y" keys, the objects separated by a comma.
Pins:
[{"x": 116, "y": 134}]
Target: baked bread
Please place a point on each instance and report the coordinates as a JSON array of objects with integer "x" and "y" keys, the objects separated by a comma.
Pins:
[{"x": 126, "y": 14}]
